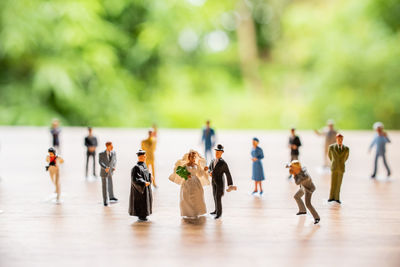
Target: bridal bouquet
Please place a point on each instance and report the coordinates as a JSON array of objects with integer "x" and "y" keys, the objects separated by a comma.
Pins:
[{"x": 182, "y": 172}]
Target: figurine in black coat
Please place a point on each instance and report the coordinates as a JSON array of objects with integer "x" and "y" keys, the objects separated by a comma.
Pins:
[
  {"x": 141, "y": 198},
  {"x": 218, "y": 167}
]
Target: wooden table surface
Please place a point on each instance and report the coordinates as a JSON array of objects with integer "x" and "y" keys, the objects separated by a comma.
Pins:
[{"x": 363, "y": 231}]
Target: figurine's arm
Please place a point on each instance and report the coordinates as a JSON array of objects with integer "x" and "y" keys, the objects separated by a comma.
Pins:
[
  {"x": 330, "y": 153},
  {"x": 372, "y": 144},
  {"x": 95, "y": 142},
  {"x": 114, "y": 162},
  {"x": 260, "y": 154},
  {"x": 102, "y": 164},
  {"x": 48, "y": 158},
  {"x": 137, "y": 176},
  {"x": 60, "y": 160},
  {"x": 86, "y": 142},
  {"x": 298, "y": 142},
  {"x": 213, "y": 138},
  {"x": 347, "y": 154},
  {"x": 228, "y": 174}
]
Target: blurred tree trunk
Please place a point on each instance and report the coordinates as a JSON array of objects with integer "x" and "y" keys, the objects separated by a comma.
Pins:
[{"x": 247, "y": 43}]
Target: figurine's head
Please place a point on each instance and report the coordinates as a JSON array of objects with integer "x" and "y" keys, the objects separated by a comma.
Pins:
[
  {"x": 294, "y": 167},
  {"x": 192, "y": 156},
  {"x": 141, "y": 154},
  {"x": 293, "y": 131},
  {"x": 378, "y": 126},
  {"x": 52, "y": 152},
  {"x": 90, "y": 130},
  {"x": 330, "y": 124},
  {"x": 55, "y": 123},
  {"x": 208, "y": 123},
  {"x": 255, "y": 141},
  {"x": 150, "y": 132},
  {"x": 109, "y": 146},
  {"x": 339, "y": 139},
  {"x": 219, "y": 151}
]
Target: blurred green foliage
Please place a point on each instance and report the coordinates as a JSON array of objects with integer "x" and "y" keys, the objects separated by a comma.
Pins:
[{"x": 177, "y": 63}]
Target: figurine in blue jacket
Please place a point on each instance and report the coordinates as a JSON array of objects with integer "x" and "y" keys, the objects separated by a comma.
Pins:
[{"x": 257, "y": 155}]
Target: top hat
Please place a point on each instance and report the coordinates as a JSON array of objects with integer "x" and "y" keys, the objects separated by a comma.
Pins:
[
  {"x": 219, "y": 148},
  {"x": 141, "y": 152}
]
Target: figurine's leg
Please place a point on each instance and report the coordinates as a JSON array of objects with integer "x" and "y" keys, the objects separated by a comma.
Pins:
[
  {"x": 375, "y": 165},
  {"x": 214, "y": 187},
  {"x": 153, "y": 176},
  {"x": 333, "y": 185},
  {"x": 94, "y": 164},
  {"x": 299, "y": 201},
  {"x": 57, "y": 183},
  {"x": 87, "y": 163},
  {"x": 338, "y": 185},
  {"x": 310, "y": 206},
  {"x": 110, "y": 187},
  {"x": 326, "y": 158},
  {"x": 386, "y": 164},
  {"x": 104, "y": 189},
  {"x": 219, "y": 204}
]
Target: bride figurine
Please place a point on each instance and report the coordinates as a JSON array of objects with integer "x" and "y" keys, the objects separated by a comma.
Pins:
[{"x": 192, "y": 194}]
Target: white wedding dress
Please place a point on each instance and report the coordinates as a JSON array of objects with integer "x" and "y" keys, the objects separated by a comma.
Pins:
[{"x": 192, "y": 194}]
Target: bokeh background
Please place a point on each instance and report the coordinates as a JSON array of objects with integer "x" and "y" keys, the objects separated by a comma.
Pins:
[{"x": 242, "y": 63}]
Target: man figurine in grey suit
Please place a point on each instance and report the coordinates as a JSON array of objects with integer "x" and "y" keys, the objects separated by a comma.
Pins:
[
  {"x": 338, "y": 154},
  {"x": 307, "y": 187},
  {"x": 107, "y": 160}
]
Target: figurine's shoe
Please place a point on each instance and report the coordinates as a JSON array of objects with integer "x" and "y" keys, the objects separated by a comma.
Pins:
[
  {"x": 261, "y": 192},
  {"x": 301, "y": 213},
  {"x": 338, "y": 201},
  {"x": 330, "y": 200},
  {"x": 143, "y": 219},
  {"x": 217, "y": 217},
  {"x": 316, "y": 221},
  {"x": 105, "y": 204},
  {"x": 254, "y": 192},
  {"x": 213, "y": 213},
  {"x": 290, "y": 176},
  {"x": 373, "y": 176},
  {"x": 114, "y": 199}
]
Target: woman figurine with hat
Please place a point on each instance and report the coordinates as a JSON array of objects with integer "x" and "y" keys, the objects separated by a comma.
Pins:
[{"x": 258, "y": 171}]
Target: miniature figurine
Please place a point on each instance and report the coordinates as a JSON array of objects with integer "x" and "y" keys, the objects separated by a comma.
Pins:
[
  {"x": 307, "y": 187},
  {"x": 192, "y": 177},
  {"x": 208, "y": 138},
  {"x": 107, "y": 161},
  {"x": 141, "y": 198},
  {"x": 338, "y": 154},
  {"x": 55, "y": 131},
  {"x": 258, "y": 172},
  {"x": 218, "y": 167},
  {"x": 294, "y": 144},
  {"x": 91, "y": 144},
  {"x": 380, "y": 141},
  {"x": 330, "y": 137},
  {"x": 149, "y": 145},
  {"x": 54, "y": 170}
]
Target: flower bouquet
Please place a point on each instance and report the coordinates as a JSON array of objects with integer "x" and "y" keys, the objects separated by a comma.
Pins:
[{"x": 182, "y": 172}]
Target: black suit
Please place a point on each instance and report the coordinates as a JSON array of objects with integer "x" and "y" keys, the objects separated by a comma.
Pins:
[{"x": 218, "y": 183}]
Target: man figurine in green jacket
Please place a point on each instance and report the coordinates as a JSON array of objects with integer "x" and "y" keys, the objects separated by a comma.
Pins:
[{"x": 338, "y": 154}]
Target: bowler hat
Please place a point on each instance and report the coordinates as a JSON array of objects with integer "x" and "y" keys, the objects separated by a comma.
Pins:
[
  {"x": 140, "y": 152},
  {"x": 219, "y": 147}
]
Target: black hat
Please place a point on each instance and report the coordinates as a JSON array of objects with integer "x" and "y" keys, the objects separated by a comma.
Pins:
[
  {"x": 52, "y": 150},
  {"x": 219, "y": 147},
  {"x": 141, "y": 152}
]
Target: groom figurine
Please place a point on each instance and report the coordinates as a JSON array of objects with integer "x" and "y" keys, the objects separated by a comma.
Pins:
[{"x": 218, "y": 167}]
